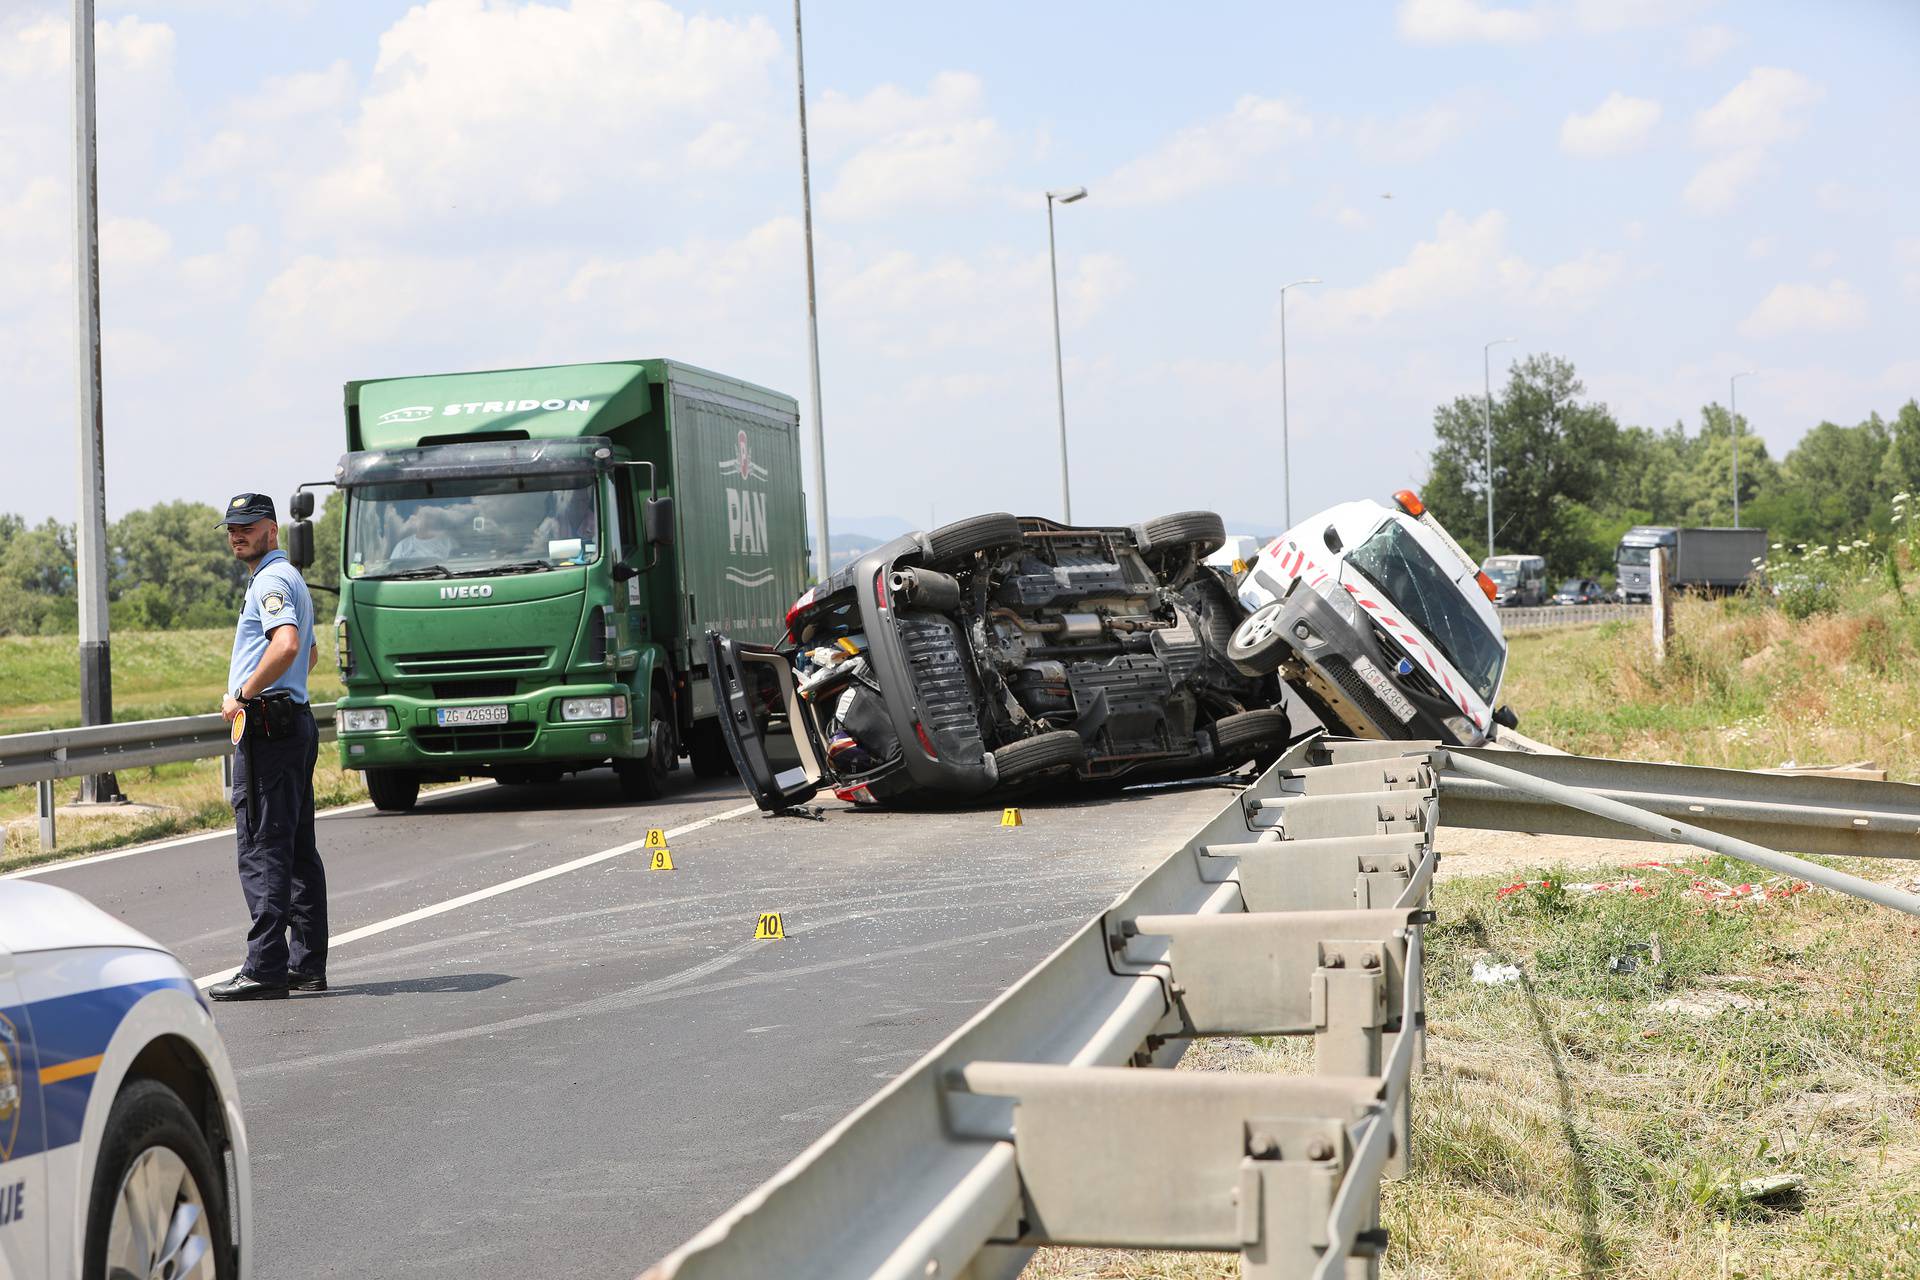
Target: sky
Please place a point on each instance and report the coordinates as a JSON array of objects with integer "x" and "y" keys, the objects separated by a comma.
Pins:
[{"x": 298, "y": 192}]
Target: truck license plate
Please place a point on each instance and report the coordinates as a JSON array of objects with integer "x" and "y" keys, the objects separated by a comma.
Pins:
[
  {"x": 1395, "y": 700},
  {"x": 449, "y": 716}
]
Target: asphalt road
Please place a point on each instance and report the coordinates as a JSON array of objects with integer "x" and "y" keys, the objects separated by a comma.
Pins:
[{"x": 574, "y": 1075}]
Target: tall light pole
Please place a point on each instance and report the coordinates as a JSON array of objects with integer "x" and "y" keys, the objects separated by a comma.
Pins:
[
  {"x": 1286, "y": 457},
  {"x": 90, "y": 528},
  {"x": 1733, "y": 428},
  {"x": 822, "y": 554},
  {"x": 1066, "y": 195},
  {"x": 1486, "y": 376}
]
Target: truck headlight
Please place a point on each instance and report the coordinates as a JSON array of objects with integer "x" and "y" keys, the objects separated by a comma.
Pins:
[
  {"x": 1462, "y": 728},
  {"x": 364, "y": 719},
  {"x": 605, "y": 708}
]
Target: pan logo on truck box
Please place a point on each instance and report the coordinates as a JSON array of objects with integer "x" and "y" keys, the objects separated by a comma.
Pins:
[{"x": 746, "y": 515}]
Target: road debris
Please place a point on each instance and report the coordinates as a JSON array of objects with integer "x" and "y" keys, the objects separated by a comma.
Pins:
[{"x": 1495, "y": 975}]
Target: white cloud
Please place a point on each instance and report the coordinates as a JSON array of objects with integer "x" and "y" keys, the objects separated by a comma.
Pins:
[
  {"x": 1352, "y": 219},
  {"x": 1761, "y": 110},
  {"x": 1706, "y": 45},
  {"x": 1471, "y": 259},
  {"x": 1841, "y": 197},
  {"x": 132, "y": 244},
  {"x": 936, "y": 148},
  {"x": 1824, "y": 259},
  {"x": 1608, "y": 16},
  {"x": 1806, "y": 308},
  {"x": 1618, "y": 125},
  {"x": 1717, "y": 185},
  {"x": 1417, "y": 135},
  {"x": 1467, "y": 21},
  {"x": 1225, "y": 149}
]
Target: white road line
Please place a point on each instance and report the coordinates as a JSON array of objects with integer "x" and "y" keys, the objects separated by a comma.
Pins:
[
  {"x": 111, "y": 855},
  {"x": 494, "y": 891}
]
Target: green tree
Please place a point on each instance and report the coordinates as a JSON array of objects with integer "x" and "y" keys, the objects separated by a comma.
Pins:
[
  {"x": 324, "y": 573},
  {"x": 1900, "y": 468},
  {"x": 36, "y": 578},
  {"x": 171, "y": 567},
  {"x": 1554, "y": 457}
]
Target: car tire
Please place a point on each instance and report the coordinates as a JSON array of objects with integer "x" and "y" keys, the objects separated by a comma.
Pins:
[
  {"x": 707, "y": 750},
  {"x": 961, "y": 539},
  {"x": 1042, "y": 753},
  {"x": 1259, "y": 736},
  {"x": 1258, "y": 647},
  {"x": 1200, "y": 533},
  {"x": 646, "y": 777},
  {"x": 393, "y": 790},
  {"x": 156, "y": 1170}
]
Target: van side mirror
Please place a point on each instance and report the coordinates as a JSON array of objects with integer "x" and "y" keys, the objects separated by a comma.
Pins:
[
  {"x": 1505, "y": 717},
  {"x": 300, "y": 537},
  {"x": 301, "y": 505},
  {"x": 1332, "y": 538},
  {"x": 657, "y": 520}
]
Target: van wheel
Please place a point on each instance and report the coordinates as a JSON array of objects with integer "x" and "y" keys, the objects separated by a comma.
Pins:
[
  {"x": 393, "y": 790},
  {"x": 1257, "y": 647},
  {"x": 1041, "y": 753},
  {"x": 1259, "y": 736},
  {"x": 157, "y": 1208},
  {"x": 1199, "y": 532},
  {"x": 646, "y": 778},
  {"x": 963, "y": 538},
  {"x": 707, "y": 750}
]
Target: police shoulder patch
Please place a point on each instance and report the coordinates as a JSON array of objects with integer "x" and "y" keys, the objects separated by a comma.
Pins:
[{"x": 273, "y": 602}]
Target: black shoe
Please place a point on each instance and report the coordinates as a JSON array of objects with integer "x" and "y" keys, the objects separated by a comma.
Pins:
[
  {"x": 245, "y": 987},
  {"x": 298, "y": 981}
]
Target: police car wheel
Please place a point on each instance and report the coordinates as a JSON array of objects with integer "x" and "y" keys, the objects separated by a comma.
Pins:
[
  {"x": 158, "y": 1209},
  {"x": 1258, "y": 647}
]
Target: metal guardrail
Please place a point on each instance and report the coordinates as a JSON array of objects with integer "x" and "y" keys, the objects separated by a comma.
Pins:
[
  {"x": 1296, "y": 910},
  {"x": 45, "y": 758},
  {"x": 1535, "y": 618}
]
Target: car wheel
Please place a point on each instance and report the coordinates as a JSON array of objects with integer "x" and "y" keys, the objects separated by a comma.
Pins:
[
  {"x": 157, "y": 1207},
  {"x": 393, "y": 790},
  {"x": 1259, "y": 736},
  {"x": 963, "y": 538},
  {"x": 1200, "y": 532},
  {"x": 707, "y": 750},
  {"x": 646, "y": 778},
  {"x": 1043, "y": 752},
  {"x": 1258, "y": 647}
]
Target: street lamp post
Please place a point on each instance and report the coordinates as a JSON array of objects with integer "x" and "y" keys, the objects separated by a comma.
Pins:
[
  {"x": 822, "y": 554},
  {"x": 1733, "y": 429},
  {"x": 1486, "y": 376},
  {"x": 1065, "y": 196},
  {"x": 1286, "y": 458}
]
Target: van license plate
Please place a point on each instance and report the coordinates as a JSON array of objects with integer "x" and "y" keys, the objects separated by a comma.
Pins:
[
  {"x": 446, "y": 717},
  {"x": 1395, "y": 700}
]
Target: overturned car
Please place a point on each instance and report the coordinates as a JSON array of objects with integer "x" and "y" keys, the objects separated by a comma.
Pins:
[{"x": 997, "y": 651}]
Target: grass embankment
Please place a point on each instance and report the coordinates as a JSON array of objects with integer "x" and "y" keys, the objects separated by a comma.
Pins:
[
  {"x": 1568, "y": 1125},
  {"x": 155, "y": 674}
]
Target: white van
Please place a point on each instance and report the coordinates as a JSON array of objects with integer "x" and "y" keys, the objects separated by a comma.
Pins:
[
  {"x": 1380, "y": 622},
  {"x": 1519, "y": 580}
]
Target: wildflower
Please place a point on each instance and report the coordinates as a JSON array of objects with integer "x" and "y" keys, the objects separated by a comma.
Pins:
[{"x": 1776, "y": 546}]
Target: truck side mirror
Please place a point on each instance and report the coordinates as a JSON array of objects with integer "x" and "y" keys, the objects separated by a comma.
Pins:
[
  {"x": 301, "y": 505},
  {"x": 622, "y": 571},
  {"x": 657, "y": 520},
  {"x": 1505, "y": 717},
  {"x": 300, "y": 537}
]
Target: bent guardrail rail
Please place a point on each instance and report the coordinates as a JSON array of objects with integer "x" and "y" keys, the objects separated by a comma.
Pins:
[{"x": 47, "y": 757}]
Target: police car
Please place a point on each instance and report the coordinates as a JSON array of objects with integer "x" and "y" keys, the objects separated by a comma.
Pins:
[{"x": 122, "y": 1151}]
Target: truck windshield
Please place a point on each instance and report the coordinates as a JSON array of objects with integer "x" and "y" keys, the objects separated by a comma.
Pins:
[
  {"x": 468, "y": 527},
  {"x": 1394, "y": 562},
  {"x": 1638, "y": 556}
]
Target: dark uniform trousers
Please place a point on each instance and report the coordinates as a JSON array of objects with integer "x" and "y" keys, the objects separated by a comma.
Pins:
[{"x": 280, "y": 871}]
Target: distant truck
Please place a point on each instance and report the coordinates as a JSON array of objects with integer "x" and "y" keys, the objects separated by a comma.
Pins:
[
  {"x": 1710, "y": 560},
  {"x": 529, "y": 555}
]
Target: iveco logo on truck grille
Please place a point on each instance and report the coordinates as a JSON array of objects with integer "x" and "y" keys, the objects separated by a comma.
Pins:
[{"x": 479, "y": 592}]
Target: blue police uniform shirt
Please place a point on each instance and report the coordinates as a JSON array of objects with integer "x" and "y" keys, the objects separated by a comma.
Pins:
[{"x": 276, "y": 597}]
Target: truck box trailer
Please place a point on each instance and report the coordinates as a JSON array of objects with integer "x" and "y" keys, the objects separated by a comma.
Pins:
[
  {"x": 529, "y": 556},
  {"x": 1709, "y": 560}
]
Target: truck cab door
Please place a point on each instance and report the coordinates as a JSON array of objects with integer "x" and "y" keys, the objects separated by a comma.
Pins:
[
  {"x": 24, "y": 1210},
  {"x": 768, "y": 728}
]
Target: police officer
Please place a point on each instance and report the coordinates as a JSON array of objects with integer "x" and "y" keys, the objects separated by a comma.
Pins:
[{"x": 276, "y": 746}]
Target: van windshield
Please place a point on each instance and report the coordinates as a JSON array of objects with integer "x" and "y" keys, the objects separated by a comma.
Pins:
[
  {"x": 1393, "y": 561},
  {"x": 468, "y": 527}
]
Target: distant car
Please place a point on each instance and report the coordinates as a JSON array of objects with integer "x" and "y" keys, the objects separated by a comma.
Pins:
[
  {"x": 122, "y": 1150},
  {"x": 1579, "y": 591},
  {"x": 995, "y": 651},
  {"x": 1380, "y": 622}
]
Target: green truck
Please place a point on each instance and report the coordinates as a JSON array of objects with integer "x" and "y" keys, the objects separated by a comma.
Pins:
[{"x": 530, "y": 560}]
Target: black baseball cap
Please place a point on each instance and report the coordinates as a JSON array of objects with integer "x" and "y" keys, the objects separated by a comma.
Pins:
[{"x": 245, "y": 508}]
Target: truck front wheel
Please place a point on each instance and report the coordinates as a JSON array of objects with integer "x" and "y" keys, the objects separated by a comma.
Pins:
[
  {"x": 393, "y": 790},
  {"x": 646, "y": 778}
]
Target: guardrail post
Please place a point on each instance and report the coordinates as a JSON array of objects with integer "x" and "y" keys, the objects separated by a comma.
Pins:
[
  {"x": 226, "y": 771},
  {"x": 1662, "y": 603},
  {"x": 1349, "y": 1008},
  {"x": 44, "y": 788}
]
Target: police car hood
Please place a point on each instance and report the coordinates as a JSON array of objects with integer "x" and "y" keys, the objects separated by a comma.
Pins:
[{"x": 40, "y": 917}]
